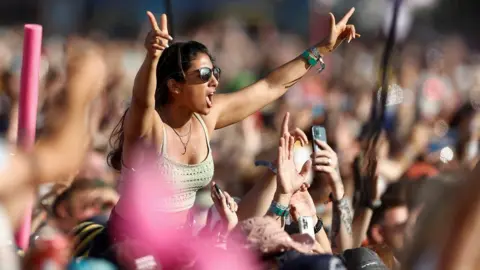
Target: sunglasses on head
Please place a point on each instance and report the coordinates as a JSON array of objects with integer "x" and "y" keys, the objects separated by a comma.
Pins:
[{"x": 206, "y": 73}]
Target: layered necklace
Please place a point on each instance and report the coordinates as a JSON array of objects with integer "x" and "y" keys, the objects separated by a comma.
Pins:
[{"x": 182, "y": 136}]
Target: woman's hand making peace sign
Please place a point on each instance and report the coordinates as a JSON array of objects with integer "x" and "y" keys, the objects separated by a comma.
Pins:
[
  {"x": 339, "y": 32},
  {"x": 158, "y": 37}
]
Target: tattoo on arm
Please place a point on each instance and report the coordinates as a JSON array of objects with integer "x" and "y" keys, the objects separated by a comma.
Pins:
[{"x": 342, "y": 214}]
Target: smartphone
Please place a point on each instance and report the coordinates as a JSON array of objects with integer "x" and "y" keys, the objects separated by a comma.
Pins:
[
  {"x": 318, "y": 133},
  {"x": 218, "y": 190},
  {"x": 306, "y": 226}
]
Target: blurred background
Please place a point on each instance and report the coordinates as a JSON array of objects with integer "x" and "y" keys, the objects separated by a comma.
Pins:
[{"x": 434, "y": 78}]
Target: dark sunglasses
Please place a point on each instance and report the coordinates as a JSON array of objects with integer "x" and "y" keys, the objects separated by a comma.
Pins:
[{"x": 206, "y": 73}]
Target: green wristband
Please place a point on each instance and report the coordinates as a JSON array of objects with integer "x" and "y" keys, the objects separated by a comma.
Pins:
[
  {"x": 279, "y": 210},
  {"x": 310, "y": 59}
]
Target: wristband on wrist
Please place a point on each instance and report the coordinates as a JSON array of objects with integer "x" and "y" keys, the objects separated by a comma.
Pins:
[
  {"x": 313, "y": 56},
  {"x": 311, "y": 60},
  {"x": 318, "y": 227},
  {"x": 268, "y": 164},
  {"x": 279, "y": 210},
  {"x": 294, "y": 227}
]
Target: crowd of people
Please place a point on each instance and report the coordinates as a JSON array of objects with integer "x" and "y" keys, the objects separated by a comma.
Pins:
[{"x": 209, "y": 163}]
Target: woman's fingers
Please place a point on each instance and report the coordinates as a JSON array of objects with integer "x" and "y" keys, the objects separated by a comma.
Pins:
[
  {"x": 285, "y": 124},
  {"x": 153, "y": 21},
  {"x": 322, "y": 153},
  {"x": 164, "y": 23},
  {"x": 286, "y": 146},
  {"x": 351, "y": 29},
  {"x": 290, "y": 147},
  {"x": 156, "y": 48},
  {"x": 161, "y": 34},
  {"x": 323, "y": 145},
  {"x": 159, "y": 41},
  {"x": 230, "y": 202},
  {"x": 325, "y": 161},
  {"x": 322, "y": 168},
  {"x": 159, "y": 47},
  {"x": 224, "y": 202},
  {"x": 300, "y": 136},
  {"x": 281, "y": 150},
  {"x": 347, "y": 16}
]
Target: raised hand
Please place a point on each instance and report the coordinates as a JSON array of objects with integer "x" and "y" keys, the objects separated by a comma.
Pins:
[
  {"x": 86, "y": 68},
  {"x": 288, "y": 179},
  {"x": 158, "y": 37},
  {"x": 339, "y": 32}
]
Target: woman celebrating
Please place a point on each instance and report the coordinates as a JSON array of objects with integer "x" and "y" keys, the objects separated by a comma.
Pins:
[{"x": 175, "y": 110}]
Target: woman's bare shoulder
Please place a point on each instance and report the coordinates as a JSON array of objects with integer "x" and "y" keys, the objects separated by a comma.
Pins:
[{"x": 210, "y": 123}]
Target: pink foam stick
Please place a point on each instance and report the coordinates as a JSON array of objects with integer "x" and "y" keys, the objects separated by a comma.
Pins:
[{"x": 27, "y": 117}]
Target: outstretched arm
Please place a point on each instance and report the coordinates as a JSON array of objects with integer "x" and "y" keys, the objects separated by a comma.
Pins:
[
  {"x": 232, "y": 108},
  {"x": 140, "y": 116}
]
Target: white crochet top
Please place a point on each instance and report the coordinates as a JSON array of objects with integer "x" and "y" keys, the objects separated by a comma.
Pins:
[{"x": 185, "y": 179}]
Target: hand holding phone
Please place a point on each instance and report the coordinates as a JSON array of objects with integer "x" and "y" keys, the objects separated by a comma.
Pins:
[{"x": 328, "y": 159}]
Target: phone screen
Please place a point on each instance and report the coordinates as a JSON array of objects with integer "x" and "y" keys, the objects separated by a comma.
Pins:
[{"x": 318, "y": 133}]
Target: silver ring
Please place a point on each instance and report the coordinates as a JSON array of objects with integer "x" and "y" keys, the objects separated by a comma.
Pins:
[{"x": 329, "y": 161}]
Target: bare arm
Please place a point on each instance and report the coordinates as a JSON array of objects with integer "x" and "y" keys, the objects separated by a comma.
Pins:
[
  {"x": 322, "y": 239},
  {"x": 257, "y": 201},
  {"x": 369, "y": 194},
  {"x": 341, "y": 234},
  {"x": 360, "y": 225},
  {"x": 140, "y": 117},
  {"x": 234, "y": 107}
]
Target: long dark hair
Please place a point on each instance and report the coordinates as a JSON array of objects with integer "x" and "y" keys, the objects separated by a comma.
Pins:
[{"x": 171, "y": 65}]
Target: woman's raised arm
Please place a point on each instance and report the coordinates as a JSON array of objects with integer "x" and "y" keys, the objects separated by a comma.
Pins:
[
  {"x": 232, "y": 108},
  {"x": 139, "y": 119}
]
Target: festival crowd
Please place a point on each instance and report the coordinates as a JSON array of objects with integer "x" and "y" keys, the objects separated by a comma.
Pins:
[{"x": 210, "y": 162}]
